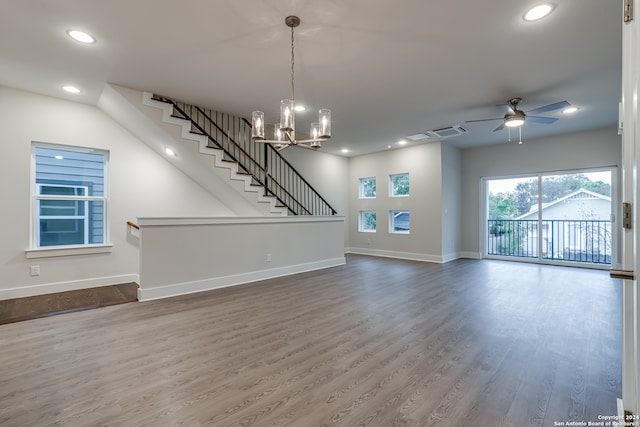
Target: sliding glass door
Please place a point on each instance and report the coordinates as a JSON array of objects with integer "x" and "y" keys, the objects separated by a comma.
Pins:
[{"x": 563, "y": 217}]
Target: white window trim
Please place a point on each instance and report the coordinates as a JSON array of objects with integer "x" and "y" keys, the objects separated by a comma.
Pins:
[
  {"x": 361, "y": 188},
  {"x": 360, "y": 222},
  {"x": 391, "y": 228},
  {"x": 391, "y": 184},
  {"x": 34, "y": 251},
  {"x": 54, "y": 251},
  {"x": 39, "y": 197}
]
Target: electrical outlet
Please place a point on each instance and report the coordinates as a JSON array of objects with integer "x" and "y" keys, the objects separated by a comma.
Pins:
[
  {"x": 35, "y": 270},
  {"x": 268, "y": 257}
]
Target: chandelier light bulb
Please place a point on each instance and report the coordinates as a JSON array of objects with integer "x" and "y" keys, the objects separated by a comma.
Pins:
[
  {"x": 257, "y": 120},
  {"x": 286, "y": 115},
  {"x": 278, "y": 135}
]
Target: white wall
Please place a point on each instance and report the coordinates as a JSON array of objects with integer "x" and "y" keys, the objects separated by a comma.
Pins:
[
  {"x": 327, "y": 173},
  {"x": 181, "y": 255},
  {"x": 142, "y": 184},
  {"x": 423, "y": 163},
  {"x": 599, "y": 148},
  {"x": 451, "y": 202}
]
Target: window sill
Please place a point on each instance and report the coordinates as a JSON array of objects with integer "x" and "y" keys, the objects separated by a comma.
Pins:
[{"x": 55, "y": 251}]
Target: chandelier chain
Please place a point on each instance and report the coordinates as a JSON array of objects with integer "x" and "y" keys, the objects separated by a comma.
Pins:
[{"x": 293, "y": 94}]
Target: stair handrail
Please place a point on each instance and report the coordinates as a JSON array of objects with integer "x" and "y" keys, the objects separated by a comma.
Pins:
[{"x": 262, "y": 168}]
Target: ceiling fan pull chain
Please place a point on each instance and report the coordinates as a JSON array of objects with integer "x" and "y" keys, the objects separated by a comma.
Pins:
[{"x": 520, "y": 135}]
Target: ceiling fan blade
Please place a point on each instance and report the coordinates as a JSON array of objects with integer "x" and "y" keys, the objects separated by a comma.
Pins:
[
  {"x": 483, "y": 120},
  {"x": 544, "y": 120},
  {"x": 499, "y": 127},
  {"x": 550, "y": 107}
]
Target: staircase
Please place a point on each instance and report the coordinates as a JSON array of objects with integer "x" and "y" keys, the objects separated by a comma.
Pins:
[{"x": 259, "y": 166}]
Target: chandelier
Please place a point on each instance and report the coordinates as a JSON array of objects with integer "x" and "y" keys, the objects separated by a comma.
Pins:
[{"x": 284, "y": 133}]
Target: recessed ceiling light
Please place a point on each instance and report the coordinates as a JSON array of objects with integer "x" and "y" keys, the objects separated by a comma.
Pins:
[
  {"x": 300, "y": 108},
  {"x": 538, "y": 12},
  {"x": 169, "y": 151},
  {"x": 570, "y": 110},
  {"x": 81, "y": 36},
  {"x": 70, "y": 89},
  {"x": 402, "y": 142},
  {"x": 344, "y": 150}
]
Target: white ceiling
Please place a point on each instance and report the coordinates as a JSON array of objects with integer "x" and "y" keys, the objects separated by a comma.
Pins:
[{"x": 385, "y": 69}]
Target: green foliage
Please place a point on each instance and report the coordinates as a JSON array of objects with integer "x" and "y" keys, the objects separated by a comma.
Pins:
[
  {"x": 598, "y": 187},
  {"x": 400, "y": 185},
  {"x": 502, "y": 206},
  {"x": 515, "y": 234},
  {"x": 554, "y": 187},
  {"x": 368, "y": 187},
  {"x": 368, "y": 220}
]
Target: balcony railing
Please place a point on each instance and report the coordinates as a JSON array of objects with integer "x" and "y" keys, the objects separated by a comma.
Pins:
[{"x": 587, "y": 241}]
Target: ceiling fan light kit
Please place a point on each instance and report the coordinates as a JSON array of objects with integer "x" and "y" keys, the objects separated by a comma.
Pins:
[
  {"x": 515, "y": 118},
  {"x": 284, "y": 133}
]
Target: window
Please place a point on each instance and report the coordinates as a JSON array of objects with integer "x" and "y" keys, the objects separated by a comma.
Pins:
[
  {"x": 69, "y": 195},
  {"x": 367, "y": 221},
  {"x": 564, "y": 217},
  {"x": 367, "y": 188},
  {"x": 399, "y": 222},
  {"x": 399, "y": 185}
]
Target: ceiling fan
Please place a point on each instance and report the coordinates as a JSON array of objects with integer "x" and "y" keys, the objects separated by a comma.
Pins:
[{"x": 515, "y": 118}]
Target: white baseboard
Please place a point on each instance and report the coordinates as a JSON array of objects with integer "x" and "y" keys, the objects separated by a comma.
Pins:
[
  {"x": 51, "y": 288},
  {"x": 471, "y": 255},
  {"x": 451, "y": 257},
  {"x": 148, "y": 294},
  {"x": 393, "y": 254}
]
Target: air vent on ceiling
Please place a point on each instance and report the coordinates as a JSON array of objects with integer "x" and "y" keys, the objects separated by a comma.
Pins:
[
  {"x": 419, "y": 137},
  {"x": 447, "y": 132}
]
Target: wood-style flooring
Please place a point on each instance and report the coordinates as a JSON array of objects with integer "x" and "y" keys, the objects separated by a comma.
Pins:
[
  {"x": 19, "y": 309},
  {"x": 376, "y": 342}
]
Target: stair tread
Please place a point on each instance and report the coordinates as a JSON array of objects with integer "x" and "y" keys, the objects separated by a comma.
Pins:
[{"x": 236, "y": 175}]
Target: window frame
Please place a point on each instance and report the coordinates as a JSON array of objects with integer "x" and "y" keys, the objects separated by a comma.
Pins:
[
  {"x": 392, "y": 215},
  {"x": 361, "y": 194},
  {"x": 43, "y": 197},
  {"x": 392, "y": 186},
  {"x": 35, "y": 249},
  {"x": 361, "y": 221}
]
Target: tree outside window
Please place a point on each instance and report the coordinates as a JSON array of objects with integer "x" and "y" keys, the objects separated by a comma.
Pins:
[
  {"x": 367, "y": 188},
  {"x": 367, "y": 221},
  {"x": 399, "y": 185}
]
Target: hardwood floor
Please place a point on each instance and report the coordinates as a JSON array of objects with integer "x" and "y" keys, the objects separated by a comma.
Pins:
[
  {"x": 27, "y": 308},
  {"x": 377, "y": 342}
]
